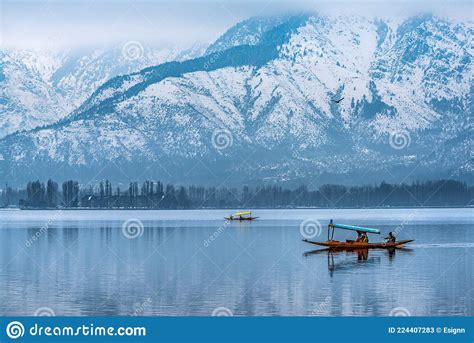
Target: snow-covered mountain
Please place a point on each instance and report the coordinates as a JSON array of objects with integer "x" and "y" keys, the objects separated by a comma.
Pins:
[
  {"x": 39, "y": 87},
  {"x": 27, "y": 99},
  {"x": 260, "y": 106}
]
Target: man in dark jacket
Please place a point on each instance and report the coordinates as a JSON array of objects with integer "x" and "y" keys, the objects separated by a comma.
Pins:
[{"x": 390, "y": 238}]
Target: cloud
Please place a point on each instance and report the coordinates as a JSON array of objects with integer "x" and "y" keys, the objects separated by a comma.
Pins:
[{"x": 50, "y": 24}]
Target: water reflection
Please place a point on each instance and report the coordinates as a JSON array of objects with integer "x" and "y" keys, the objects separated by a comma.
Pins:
[
  {"x": 351, "y": 259},
  {"x": 90, "y": 267}
]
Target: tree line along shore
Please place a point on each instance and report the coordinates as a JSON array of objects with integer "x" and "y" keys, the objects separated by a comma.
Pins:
[{"x": 157, "y": 195}]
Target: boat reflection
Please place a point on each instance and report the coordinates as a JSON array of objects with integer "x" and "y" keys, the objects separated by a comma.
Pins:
[{"x": 355, "y": 258}]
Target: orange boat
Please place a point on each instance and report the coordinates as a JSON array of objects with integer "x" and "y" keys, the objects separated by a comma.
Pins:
[
  {"x": 359, "y": 245},
  {"x": 334, "y": 244}
]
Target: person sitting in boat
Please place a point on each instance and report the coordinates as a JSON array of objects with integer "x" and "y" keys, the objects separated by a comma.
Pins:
[
  {"x": 390, "y": 238},
  {"x": 365, "y": 238},
  {"x": 359, "y": 236}
]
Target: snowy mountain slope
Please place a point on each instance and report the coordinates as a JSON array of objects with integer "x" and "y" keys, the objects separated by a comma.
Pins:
[
  {"x": 27, "y": 100},
  {"x": 247, "y": 32},
  {"x": 85, "y": 70},
  {"x": 39, "y": 87},
  {"x": 265, "y": 110}
]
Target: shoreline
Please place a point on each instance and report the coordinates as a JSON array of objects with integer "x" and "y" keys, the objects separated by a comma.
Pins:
[{"x": 232, "y": 208}]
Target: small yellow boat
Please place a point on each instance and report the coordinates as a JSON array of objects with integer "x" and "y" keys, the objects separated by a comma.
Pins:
[{"x": 241, "y": 216}]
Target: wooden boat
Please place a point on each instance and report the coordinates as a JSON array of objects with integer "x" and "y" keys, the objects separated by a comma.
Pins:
[
  {"x": 334, "y": 244},
  {"x": 241, "y": 216},
  {"x": 360, "y": 245}
]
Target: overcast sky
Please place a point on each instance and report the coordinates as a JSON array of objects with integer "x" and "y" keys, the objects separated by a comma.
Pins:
[{"x": 61, "y": 23}]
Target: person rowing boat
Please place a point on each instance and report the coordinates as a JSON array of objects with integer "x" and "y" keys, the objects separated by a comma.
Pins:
[{"x": 390, "y": 238}]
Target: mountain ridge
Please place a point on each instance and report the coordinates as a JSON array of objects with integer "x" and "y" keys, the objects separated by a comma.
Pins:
[
  {"x": 273, "y": 100},
  {"x": 40, "y": 87}
]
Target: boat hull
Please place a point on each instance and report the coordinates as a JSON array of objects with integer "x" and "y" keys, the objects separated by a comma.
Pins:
[
  {"x": 240, "y": 219},
  {"x": 359, "y": 245}
]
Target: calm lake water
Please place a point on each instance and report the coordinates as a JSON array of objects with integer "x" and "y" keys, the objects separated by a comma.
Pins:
[{"x": 89, "y": 263}]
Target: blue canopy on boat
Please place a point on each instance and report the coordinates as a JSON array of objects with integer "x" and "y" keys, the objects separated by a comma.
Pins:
[{"x": 356, "y": 228}]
